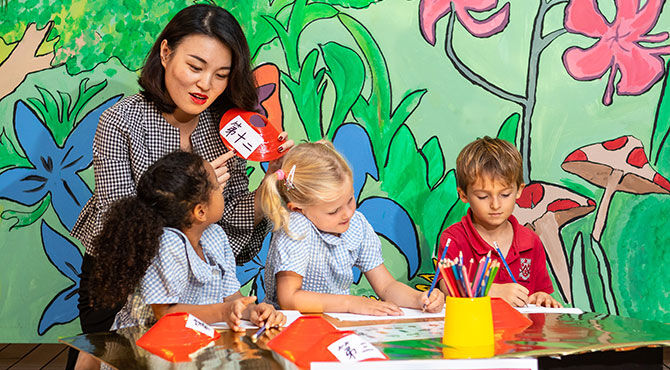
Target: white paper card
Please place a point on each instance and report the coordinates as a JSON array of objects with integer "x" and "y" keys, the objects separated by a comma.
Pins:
[
  {"x": 539, "y": 309},
  {"x": 241, "y": 136},
  {"x": 291, "y": 316},
  {"x": 198, "y": 325},
  {"x": 408, "y": 313},
  {"x": 353, "y": 348}
]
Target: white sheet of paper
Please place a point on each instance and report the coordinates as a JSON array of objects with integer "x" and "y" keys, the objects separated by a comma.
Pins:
[
  {"x": 410, "y": 313},
  {"x": 539, "y": 309},
  {"x": 291, "y": 316}
]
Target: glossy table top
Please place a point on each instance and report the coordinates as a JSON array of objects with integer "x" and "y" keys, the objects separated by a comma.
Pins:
[{"x": 548, "y": 335}]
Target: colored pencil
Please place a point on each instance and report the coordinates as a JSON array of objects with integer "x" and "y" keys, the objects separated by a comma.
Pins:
[
  {"x": 260, "y": 332},
  {"x": 444, "y": 253},
  {"x": 446, "y": 280},
  {"x": 494, "y": 272},
  {"x": 502, "y": 258}
]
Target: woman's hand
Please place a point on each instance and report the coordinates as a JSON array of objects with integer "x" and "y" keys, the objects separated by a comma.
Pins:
[
  {"x": 221, "y": 168},
  {"x": 514, "y": 294},
  {"x": 274, "y": 165},
  {"x": 543, "y": 299}
]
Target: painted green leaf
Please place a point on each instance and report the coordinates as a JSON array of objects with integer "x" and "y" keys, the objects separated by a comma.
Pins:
[
  {"x": 316, "y": 11},
  {"x": 346, "y": 70},
  {"x": 660, "y": 136},
  {"x": 579, "y": 284},
  {"x": 404, "y": 109},
  {"x": 307, "y": 94},
  {"x": 432, "y": 151},
  {"x": 25, "y": 218},
  {"x": 8, "y": 154},
  {"x": 356, "y": 4},
  {"x": 380, "y": 96},
  {"x": 509, "y": 128},
  {"x": 595, "y": 281},
  {"x": 605, "y": 275}
]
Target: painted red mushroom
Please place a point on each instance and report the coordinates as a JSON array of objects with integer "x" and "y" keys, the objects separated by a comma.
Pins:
[
  {"x": 546, "y": 208},
  {"x": 615, "y": 165}
]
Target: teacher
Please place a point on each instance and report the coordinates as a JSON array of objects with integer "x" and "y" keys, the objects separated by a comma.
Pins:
[{"x": 198, "y": 68}]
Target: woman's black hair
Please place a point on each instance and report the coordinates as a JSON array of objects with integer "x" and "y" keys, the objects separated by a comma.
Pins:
[
  {"x": 216, "y": 22},
  {"x": 166, "y": 194}
]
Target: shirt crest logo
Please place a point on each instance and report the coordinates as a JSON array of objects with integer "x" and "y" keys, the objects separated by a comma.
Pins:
[{"x": 524, "y": 270}]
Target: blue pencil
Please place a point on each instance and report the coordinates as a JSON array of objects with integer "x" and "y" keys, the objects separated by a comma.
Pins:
[
  {"x": 260, "y": 332},
  {"x": 437, "y": 268},
  {"x": 509, "y": 271}
]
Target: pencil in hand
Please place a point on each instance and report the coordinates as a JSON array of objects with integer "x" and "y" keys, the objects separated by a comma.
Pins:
[
  {"x": 260, "y": 332},
  {"x": 437, "y": 269}
]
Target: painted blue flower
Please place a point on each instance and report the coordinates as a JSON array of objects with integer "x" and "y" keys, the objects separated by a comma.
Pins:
[
  {"x": 67, "y": 259},
  {"x": 54, "y": 168},
  {"x": 387, "y": 217}
]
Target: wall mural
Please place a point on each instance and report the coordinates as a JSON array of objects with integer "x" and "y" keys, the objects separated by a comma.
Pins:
[{"x": 400, "y": 88}]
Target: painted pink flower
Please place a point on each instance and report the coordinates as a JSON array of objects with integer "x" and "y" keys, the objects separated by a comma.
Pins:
[
  {"x": 618, "y": 47},
  {"x": 430, "y": 11}
]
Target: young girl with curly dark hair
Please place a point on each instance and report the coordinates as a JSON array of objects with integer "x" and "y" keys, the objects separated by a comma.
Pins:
[{"x": 162, "y": 251}]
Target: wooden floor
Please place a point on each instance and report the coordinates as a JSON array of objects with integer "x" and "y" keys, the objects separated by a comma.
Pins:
[{"x": 33, "y": 356}]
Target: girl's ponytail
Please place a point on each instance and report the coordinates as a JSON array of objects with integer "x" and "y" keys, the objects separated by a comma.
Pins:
[
  {"x": 272, "y": 202},
  {"x": 124, "y": 248}
]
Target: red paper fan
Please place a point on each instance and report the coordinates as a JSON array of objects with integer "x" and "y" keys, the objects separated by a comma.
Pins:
[{"x": 250, "y": 135}]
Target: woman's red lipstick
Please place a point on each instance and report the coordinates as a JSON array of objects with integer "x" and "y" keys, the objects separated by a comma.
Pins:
[{"x": 199, "y": 99}]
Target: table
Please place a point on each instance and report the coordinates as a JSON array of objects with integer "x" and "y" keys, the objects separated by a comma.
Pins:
[{"x": 588, "y": 340}]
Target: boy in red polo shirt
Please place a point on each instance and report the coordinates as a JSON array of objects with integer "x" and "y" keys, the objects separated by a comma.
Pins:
[{"x": 489, "y": 177}]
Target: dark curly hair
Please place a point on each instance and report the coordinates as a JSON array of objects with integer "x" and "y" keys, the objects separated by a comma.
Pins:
[{"x": 166, "y": 194}]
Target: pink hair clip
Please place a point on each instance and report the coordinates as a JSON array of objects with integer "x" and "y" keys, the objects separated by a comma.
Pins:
[{"x": 280, "y": 174}]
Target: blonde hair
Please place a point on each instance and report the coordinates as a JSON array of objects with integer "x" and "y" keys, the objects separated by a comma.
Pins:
[
  {"x": 319, "y": 174},
  {"x": 495, "y": 158}
]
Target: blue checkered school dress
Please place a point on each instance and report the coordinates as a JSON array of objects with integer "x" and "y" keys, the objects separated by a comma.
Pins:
[
  {"x": 178, "y": 275},
  {"x": 325, "y": 261}
]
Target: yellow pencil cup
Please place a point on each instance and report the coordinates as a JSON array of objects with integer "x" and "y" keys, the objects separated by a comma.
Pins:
[{"x": 468, "y": 322}]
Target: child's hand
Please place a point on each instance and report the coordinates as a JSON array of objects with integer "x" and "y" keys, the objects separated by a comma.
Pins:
[
  {"x": 514, "y": 294},
  {"x": 543, "y": 299},
  {"x": 369, "y": 306},
  {"x": 434, "y": 303},
  {"x": 232, "y": 311},
  {"x": 263, "y": 313}
]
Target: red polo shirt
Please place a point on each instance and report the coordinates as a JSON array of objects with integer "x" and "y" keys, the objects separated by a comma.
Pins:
[{"x": 526, "y": 256}]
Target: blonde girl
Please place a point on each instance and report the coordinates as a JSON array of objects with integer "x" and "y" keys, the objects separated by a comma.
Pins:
[{"x": 319, "y": 237}]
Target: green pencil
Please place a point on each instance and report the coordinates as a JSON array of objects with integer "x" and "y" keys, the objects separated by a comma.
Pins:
[{"x": 493, "y": 276}]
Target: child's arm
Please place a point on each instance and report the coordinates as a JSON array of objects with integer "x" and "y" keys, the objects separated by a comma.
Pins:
[
  {"x": 514, "y": 294},
  {"x": 290, "y": 296},
  {"x": 543, "y": 299},
  {"x": 391, "y": 290},
  {"x": 230, "y": 311}
]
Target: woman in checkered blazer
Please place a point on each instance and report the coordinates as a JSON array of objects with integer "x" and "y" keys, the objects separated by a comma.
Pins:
[{"x": 198, "y": 68}]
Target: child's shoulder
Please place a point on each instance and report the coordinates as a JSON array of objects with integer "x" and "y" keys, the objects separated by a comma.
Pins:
[{"x": 299, "y": 223}]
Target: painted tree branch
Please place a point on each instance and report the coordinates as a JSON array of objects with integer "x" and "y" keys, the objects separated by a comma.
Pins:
[{"x": 23, "y": 60}]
